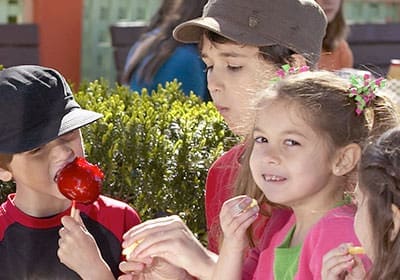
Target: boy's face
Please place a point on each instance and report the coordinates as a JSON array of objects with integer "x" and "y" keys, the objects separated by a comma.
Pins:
[
  {"x": 34, "y": 171},
  {"x": 234, "y": 74}
]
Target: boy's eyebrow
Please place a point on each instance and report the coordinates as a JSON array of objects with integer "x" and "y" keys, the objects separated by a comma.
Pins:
[{"x": 225, "y": 54}]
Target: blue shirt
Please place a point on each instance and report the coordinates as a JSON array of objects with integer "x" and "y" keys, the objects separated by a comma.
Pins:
[{"x": 184, "y": 64}]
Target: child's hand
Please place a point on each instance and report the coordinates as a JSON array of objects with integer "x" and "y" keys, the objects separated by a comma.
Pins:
[
  {"x": 78, "y": 250},
  {"x": 171, "y": 240},
  {"x": 154, "y": 269},
  {"x": 339, "y": 264},
  {"x": 237, "y": 214}
]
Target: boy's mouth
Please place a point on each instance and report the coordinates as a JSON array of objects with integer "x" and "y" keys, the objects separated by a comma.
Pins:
[{"x": 61, "y": 168}]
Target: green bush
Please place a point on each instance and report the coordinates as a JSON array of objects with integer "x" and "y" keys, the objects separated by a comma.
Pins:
[{"x": 155, "y": 150}]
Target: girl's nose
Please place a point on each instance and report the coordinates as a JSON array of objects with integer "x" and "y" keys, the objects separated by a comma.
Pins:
[{"x": 271, "y": 156}]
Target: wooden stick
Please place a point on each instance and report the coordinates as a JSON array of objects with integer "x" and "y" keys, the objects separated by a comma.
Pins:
[{"x": 73, "y": 208}]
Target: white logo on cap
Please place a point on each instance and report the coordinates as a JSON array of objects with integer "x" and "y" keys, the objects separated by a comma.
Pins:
[{"x": 253, "y": 21}]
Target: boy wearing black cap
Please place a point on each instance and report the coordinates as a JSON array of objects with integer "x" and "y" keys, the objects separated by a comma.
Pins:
[{"x": 39, "y": 123}]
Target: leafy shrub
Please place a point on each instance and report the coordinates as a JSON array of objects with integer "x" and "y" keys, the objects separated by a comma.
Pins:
[{"x": 155, "y": 150}]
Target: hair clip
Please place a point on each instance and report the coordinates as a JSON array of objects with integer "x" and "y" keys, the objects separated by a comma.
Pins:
[
  {"x": 287, "y": 70},
  {"x": 362, "y": 90}
]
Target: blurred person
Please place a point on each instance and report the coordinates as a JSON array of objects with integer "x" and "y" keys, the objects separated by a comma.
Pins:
[
  {"x": 157, "y": 57},
  {"x": 336, "y": 53}
]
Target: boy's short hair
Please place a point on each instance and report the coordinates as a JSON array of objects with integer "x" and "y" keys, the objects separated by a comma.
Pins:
[
  {"x": 298, "y": 25},
  {"x": 36, "y": 107}
]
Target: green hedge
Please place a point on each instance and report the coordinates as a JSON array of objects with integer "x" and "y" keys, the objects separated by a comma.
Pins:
[{"x": 155, "y": 149}]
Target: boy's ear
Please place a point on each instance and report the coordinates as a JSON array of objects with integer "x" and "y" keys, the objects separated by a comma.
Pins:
[
  {"x": 5, "y": 175},
  {"x": 396, "y": 222},
  {"x": 298, "y": 60},
  {"x": 346, "y": 159}
]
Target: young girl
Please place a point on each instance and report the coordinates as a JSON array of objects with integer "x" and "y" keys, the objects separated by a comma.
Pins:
[
  {"x": 336, "y": 53},
  {"x": 377, "y": 220},
  {"x": 243, "y": 49},
  {"x": 305, "y": 144}
]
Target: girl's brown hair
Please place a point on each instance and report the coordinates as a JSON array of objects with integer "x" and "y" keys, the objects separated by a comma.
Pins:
[
  {"x": 336, "y": 31},
  {"x": 323, "y": 99},
  {"x": 379, "y": 174}
]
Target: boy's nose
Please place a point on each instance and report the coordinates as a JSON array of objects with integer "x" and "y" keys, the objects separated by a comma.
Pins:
[{"x": 214, "y": 83}]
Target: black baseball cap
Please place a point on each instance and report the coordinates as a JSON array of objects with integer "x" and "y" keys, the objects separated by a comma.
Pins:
[{"x": 36, "y": 107}]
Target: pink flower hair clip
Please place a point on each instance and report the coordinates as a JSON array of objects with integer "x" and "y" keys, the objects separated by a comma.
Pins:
[
  {"x": 287, "y": 70},
  {"x": 363, "y": 89}
]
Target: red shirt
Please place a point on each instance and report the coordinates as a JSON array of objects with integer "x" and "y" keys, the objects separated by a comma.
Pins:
[{"x": 219, "y": 188}]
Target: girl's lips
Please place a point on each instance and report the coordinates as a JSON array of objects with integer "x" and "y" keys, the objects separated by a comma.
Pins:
[{"x": 273, "y": 178}]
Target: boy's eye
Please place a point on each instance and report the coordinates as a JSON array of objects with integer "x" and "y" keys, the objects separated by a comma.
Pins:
[
  {"x": 234, "y": 68},
  {"x": 70, "y": 135},
  {"x": 208, "y": 68},
  {"x": 260, "y": 139},
  {"x": 290, "y": 142},
  {"x": 34, "y": 151}
]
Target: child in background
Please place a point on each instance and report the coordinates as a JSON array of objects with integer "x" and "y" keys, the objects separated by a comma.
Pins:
[
  {"x": 40, "y": 134},
  {"x": 303, "y": 161},
  {"x": 377, "y": 220},
  {"x": 336, "y": 53},
  {"x": 157, "y": 58},
  {"x": 242, "y": 48}
]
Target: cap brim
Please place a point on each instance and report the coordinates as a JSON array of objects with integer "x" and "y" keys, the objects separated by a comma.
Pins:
[
  {"x": 77, "y": 118},
  {"x": 33, "y": 137},
  {"x": 191, "y": 32}
]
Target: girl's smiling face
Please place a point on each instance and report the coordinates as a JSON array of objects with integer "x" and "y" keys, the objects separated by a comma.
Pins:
[
  {"x": 291, "y": 162},
  {"x": 234, "y": 74}
]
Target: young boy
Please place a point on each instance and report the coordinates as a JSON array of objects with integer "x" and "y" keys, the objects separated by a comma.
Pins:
[{"x": 40, "y": 133}]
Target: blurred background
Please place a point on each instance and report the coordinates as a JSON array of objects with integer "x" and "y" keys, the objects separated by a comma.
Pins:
[{"x": 74, "y": 36}]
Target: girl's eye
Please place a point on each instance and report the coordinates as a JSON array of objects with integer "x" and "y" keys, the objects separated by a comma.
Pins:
[
  {"x": 290, "y": 142},
  {"x": 234, "y": 68},
  {"x": 260, "y": 139}
]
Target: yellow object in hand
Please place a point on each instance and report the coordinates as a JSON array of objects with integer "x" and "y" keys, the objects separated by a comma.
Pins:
[
  {"x": 128, "y": 250},
  {"x": 252, "y": 204},
  {"x": 356, "y": 250}
]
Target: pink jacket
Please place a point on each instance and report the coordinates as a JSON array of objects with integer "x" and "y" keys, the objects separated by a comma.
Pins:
[{"x": 334, "y": 228}]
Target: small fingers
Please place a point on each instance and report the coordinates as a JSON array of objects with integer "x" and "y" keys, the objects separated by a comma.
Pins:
[
  {"x": 238, "y": 213},
  {"x": 131, "y": 267}
]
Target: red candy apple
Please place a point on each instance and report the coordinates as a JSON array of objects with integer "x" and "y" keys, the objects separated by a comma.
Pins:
[{"x": 80, "y": 180}]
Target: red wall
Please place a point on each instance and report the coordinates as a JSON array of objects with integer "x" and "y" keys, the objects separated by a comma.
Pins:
[{"x": 60, "y": 33}]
